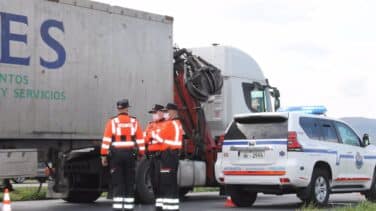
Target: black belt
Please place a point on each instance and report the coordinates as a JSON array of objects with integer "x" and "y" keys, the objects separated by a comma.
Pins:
[{"x": 160, "y": 152}]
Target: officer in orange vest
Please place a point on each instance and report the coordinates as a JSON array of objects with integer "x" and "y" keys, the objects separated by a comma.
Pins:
[
  {"x": 157, "y": 119},
  {"x": 168, "y": 138},
  {"x": 153, "y": 151},
  {"x": 122, "y": 142}
]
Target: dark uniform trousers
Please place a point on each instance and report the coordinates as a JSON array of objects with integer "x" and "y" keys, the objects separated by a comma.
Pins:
[
  {"x": 123, "y": 165},
  {"x": 163, "y": 168}
]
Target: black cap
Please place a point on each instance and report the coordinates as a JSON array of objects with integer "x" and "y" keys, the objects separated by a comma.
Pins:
[
  {"x": 121, "y": 104},
  {"x": 171, "y": 106},
  {"x": 156, "y": 108}
]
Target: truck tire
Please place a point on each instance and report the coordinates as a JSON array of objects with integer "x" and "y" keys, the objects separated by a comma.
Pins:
[
  {"x": 371, "y": 193},
  {"x": 89, "y": 183},
  {"x": 240, "y": 196},
  {"x": 318, "y": 190},
  {"x": 144, "y": 188},
  {"x": 82, "y": 196}
]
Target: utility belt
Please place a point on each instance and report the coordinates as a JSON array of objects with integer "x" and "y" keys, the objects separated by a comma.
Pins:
[
  {"x": 120, "y": 146},
  {"x": 158, "y": 154}
]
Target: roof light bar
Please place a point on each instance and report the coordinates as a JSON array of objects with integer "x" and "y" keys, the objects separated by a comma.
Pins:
[{"x": 318, "y": 110}]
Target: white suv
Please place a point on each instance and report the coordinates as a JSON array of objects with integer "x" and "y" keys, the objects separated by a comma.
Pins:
[{"x": 294, "y": 152}]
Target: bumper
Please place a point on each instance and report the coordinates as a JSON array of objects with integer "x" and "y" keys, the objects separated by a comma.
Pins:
[
  {"x": 252, "y": 180},
  {"x": 286, "y": 174},
  {"x": 271, "y": 189}
]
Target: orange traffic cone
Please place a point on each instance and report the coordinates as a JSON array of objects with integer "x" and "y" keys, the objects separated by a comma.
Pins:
[
  {"x": 229, "y": 202},
  {"x": 6, "y": 201}
]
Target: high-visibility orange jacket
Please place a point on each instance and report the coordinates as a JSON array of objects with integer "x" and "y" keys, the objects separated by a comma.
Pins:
[
  {"x": 167, "y": 135},
  {"x": 122, "y": 132},
  {"x": 152, "y": 129},
  {"x": 148, "y": 132}
]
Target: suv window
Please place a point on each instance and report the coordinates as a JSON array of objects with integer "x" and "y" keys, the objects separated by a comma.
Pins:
[
  {"x": 328, "y": 131},
  {"x": 348, "y": 136},
  {"x": 311, "y": 127},
  {"x": 258, "y": 128}
]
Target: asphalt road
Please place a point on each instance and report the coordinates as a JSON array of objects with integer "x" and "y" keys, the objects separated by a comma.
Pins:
[{"x": 194, "y": 201}]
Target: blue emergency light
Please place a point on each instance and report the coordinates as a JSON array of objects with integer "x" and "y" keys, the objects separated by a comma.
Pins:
[{"x": 318, "y": 110}]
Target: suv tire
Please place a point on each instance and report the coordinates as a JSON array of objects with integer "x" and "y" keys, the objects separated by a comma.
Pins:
[
  {"x": 371, "y": 193},
  {"x": 240, "y": 196},
  {"x": 318, "y": 190}
]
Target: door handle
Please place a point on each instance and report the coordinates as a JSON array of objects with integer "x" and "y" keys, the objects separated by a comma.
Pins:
[{"x": 349, "y": 152}]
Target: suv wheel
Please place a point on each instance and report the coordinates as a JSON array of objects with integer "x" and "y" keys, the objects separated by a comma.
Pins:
[
  {"x": 318, "y": 190},
  {"x": 240, "y": 196},
  {"x": 371, "y": 193}
]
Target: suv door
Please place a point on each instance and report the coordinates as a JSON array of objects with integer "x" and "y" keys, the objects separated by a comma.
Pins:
[
  {"x": 358, "y": 169},
  {"x": 330, "y": 140}
]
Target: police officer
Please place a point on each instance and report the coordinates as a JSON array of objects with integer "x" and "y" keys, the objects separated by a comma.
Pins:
[
  {"x": 121, "y": 144},
  {"x": 157, "y": 119},
  {"x": 153, "y": 148},
  {"x": 169, "y": 136}
]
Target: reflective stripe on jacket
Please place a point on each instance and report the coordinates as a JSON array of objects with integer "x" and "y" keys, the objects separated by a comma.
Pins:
[
  {"x": 122, "y": 131},
  {"x": 150, "y": 136},
  {"x": 167, "y": 135}
]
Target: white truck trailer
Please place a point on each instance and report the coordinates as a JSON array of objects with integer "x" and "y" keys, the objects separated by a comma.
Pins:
[{"x": 63, "y": 65}]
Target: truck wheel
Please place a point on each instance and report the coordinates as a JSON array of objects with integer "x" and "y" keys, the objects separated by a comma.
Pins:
[
  {"x": 144, "y": 190},
  {"x": 318, "y": 190},
  {"x": 241, "y": 197},
  {"x": 77, "y": 182},
  {"x": 371, "y": 193},
  {"x": 82, "y": 196}
]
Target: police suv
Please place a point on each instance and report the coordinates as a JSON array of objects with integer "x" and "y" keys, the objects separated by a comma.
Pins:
[{"x": 297, "y": 151}]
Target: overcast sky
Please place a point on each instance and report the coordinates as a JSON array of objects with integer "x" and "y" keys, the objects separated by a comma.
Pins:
[{"x": 317, "y": 52}]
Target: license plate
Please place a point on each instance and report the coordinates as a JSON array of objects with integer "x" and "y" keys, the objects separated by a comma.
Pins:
[{"x": 253, "y": 155}]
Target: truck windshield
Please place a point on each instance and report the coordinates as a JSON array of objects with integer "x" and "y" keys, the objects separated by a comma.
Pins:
[{"x": 257, "y": 100}]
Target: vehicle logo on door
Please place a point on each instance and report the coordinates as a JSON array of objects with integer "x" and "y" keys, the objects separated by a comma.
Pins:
[
  {"x": 358, "y": 160},
  {"x": 252, "y": 143}
]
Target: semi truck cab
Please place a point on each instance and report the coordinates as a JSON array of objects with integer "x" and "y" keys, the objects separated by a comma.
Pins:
[{"x": 245, "y": 88}]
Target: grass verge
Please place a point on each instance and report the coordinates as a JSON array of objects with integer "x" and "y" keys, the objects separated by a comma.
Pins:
[
  {"x": 205, "y": 189},
  {"x": 362, "y": 206},
  {"x": 27, "y": 194}
]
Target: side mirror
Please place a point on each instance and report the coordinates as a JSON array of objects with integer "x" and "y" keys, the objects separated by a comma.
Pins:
[
  {"x": 366, "y": 140},
  {"x": 277, "y": 104},
  {"x": 275, "y": 93}
]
